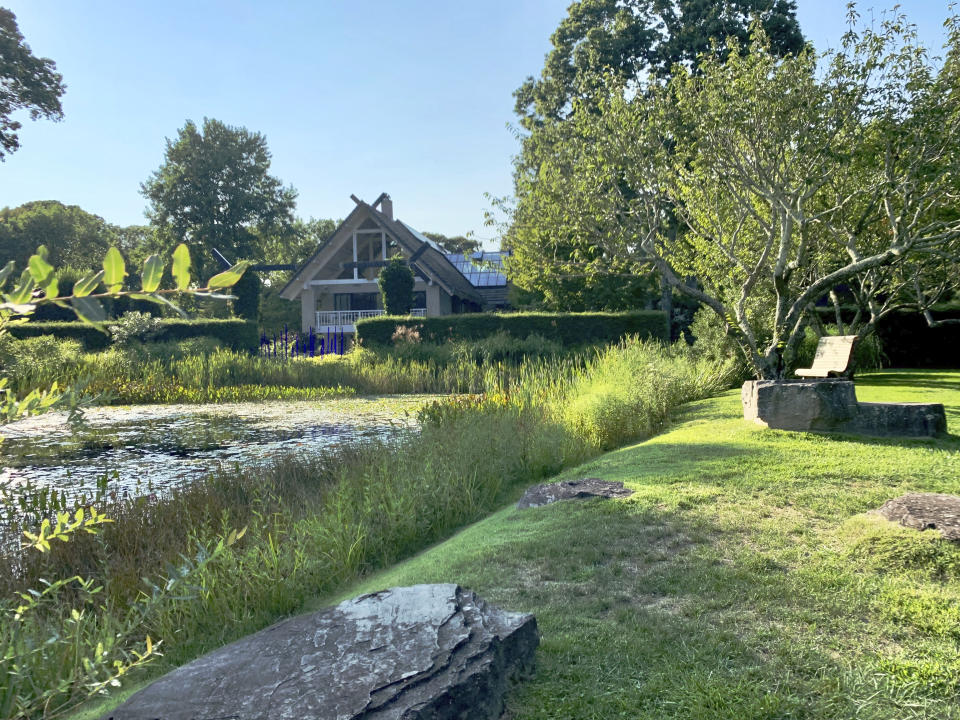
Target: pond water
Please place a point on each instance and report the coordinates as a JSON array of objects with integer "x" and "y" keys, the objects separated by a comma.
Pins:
[{"x": 146, "y": 448}]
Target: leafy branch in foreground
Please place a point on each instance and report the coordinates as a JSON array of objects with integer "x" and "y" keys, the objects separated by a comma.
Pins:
[{"x": 51, "y": 656}]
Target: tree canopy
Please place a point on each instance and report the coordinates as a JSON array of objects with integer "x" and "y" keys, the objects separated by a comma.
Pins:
[
  {"x": 633, "y": 38},
  {"x": 214, "y": 190},
  {"x": 773, "y": 180},
  {"x": 26, "y": 83},
  {"x": 72, "y": 235},
  {"x": 462, "y": 244},
  {"x": 632, "y": 43}
]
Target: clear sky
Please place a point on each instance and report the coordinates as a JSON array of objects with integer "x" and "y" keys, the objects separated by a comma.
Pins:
[{"x": 411, "y": 97}]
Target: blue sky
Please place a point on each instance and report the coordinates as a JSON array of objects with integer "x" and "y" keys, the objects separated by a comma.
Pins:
[{"x": 411, "y": 97}]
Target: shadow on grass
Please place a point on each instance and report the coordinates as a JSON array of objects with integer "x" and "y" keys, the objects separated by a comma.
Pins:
[{"x": 651, "y": 613}]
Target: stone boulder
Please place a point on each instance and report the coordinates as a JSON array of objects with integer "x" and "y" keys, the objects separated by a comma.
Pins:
[
  {"x": 925, "y": 511},
  {"x": 548, "y": 493},
  {"x": 408, "y": 653},
  {"x": 832, "y": 406},
  {"x": 817, "y": 405}
]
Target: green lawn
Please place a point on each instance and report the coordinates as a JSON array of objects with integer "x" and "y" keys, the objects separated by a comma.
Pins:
[{"x": 742, "y": 580}]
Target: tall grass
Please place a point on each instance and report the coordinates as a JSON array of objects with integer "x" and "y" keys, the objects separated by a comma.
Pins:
[{"x": 315, "y": 522}]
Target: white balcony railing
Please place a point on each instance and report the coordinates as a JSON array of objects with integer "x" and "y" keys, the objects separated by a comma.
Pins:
[{"x": 342, "y": 318}]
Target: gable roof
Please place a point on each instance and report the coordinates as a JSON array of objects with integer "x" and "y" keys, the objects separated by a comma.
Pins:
[{"x": 427, "y": 259}]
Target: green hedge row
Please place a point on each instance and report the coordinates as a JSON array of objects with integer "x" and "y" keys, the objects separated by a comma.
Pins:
[
  {"x": 236, "y": 334},
  {"x": 569, "y": 329}
]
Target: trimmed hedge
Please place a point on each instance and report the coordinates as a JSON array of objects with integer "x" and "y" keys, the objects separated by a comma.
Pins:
[
  {"x": 238, "y": 335},
  {"x": 569, "y": 329}
]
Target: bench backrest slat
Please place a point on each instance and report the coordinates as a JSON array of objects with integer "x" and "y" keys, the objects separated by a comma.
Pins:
[{"x": 833, "y": 354}]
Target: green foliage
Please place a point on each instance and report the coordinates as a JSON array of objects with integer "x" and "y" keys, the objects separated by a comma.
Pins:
[
  {"x": 566, "y": 268},
  {"x": 38, "y": 362},
  {"x": 247, "y": 305},
  {"x": 712, "y": 341},
  {"x": 396, "y": 287},
  {"x": 631, "y": 389},
  {"x": 755, "y": 542},
  {"x": 237, "y": 334},
  {"x": 637, "y": 37},
  {"x": 729, "y": 173},
  {"x": 356, "y": 508},
  {"x": 568, "y": 329},
  {"x": 230, "y": 164},
  {"x": 72, "y": 235},
  {"x": 53, "y": 654},
  {"x": 28, "y": 83},
  {"x": 465, "y": 245},
  {"x": 135, "y": 327}
]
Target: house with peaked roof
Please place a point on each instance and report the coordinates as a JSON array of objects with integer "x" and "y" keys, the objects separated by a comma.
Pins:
[{"x": 338, "y": 285}]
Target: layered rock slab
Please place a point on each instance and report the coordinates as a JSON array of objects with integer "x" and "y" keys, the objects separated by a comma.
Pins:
[
  {"x": 925, "y": 511},
  {"x": 407, "y": 653},
  {"x": 547, "y": 493}
]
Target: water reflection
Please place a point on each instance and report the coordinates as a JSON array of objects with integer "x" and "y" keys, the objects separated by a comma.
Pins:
[{"x": 150, "y": 447}]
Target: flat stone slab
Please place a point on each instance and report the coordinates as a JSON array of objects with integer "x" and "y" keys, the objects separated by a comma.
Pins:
[
  {"x": 925, "y": 511},
  {"x": 547, "y": 493},
  {"x": 432, "y": 652}
]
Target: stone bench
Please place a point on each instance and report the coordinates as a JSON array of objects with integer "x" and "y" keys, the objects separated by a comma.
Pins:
[{"x": 832, "y": 406}]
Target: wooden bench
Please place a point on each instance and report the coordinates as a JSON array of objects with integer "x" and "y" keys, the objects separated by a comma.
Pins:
[{"x": 833, "y": 356}]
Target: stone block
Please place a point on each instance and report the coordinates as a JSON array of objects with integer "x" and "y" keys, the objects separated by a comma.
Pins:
[
  {"x": 899, "y": 419},
  {"x": 807, "y": 405},
  {"x": 432, "y": 652},
  {"x": 832, "y": 406}
]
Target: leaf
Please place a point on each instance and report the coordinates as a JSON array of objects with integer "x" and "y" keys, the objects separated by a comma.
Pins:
[
  {"x": 6, "y": 271},
  {"x": 24, "y": 289},
  {"x": 228, "y": 278},
  {"x": 89, "y": 310},
  {"x": 87, "y": 285},
  {"x": 152, "y": 273},
  {"x": 181, "y": 266},
  {"x": 159, "y": 300},
  {"x": 52, "y": 288},
  {"x": 40, "y": 269},
  {"x": 114, "y": 270}
]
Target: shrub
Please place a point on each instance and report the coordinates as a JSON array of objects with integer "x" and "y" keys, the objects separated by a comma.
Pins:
[
  {"x": 568, "y": 329},
  {"x": 235, "y": 334},
  {"x": 135, "y": 327},
  {"x": 396, "y": 287},
  {"x": 38, "y": 362},
  {"x": 712, "y": 342}
]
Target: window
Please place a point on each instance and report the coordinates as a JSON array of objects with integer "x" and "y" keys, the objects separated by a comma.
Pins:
[
  {"x": 420, "y": 299},
  {"x": 364, "y": 301}
]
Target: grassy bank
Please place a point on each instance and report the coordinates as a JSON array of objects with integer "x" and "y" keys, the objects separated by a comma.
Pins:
[
  {"x": 744, "y": 579},
  {"x": 315, "y": 523}
]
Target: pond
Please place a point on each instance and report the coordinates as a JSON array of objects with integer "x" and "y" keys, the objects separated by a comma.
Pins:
[{"x": 145, "y": 448}]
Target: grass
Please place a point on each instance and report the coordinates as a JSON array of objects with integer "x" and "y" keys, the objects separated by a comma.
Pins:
[
  {"x": 316, "y": 523},
  {"x": 743, "y": 579}
]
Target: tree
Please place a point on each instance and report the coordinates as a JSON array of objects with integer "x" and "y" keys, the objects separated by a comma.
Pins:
[
  {"x": 26, "y": 83},
  {"x": 71, "y": 235},
  {"x": 632, "y": 43},
  {"x": 633, "y": 38},
  {"x": 788, "y": 178},
  {"x": 396, "y": 287},
  {"x": 462, "y": 244},
  {"x": 214, "y": 191}
]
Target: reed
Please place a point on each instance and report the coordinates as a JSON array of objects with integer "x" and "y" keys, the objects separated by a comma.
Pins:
[{"x": 315, "y": 522}]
